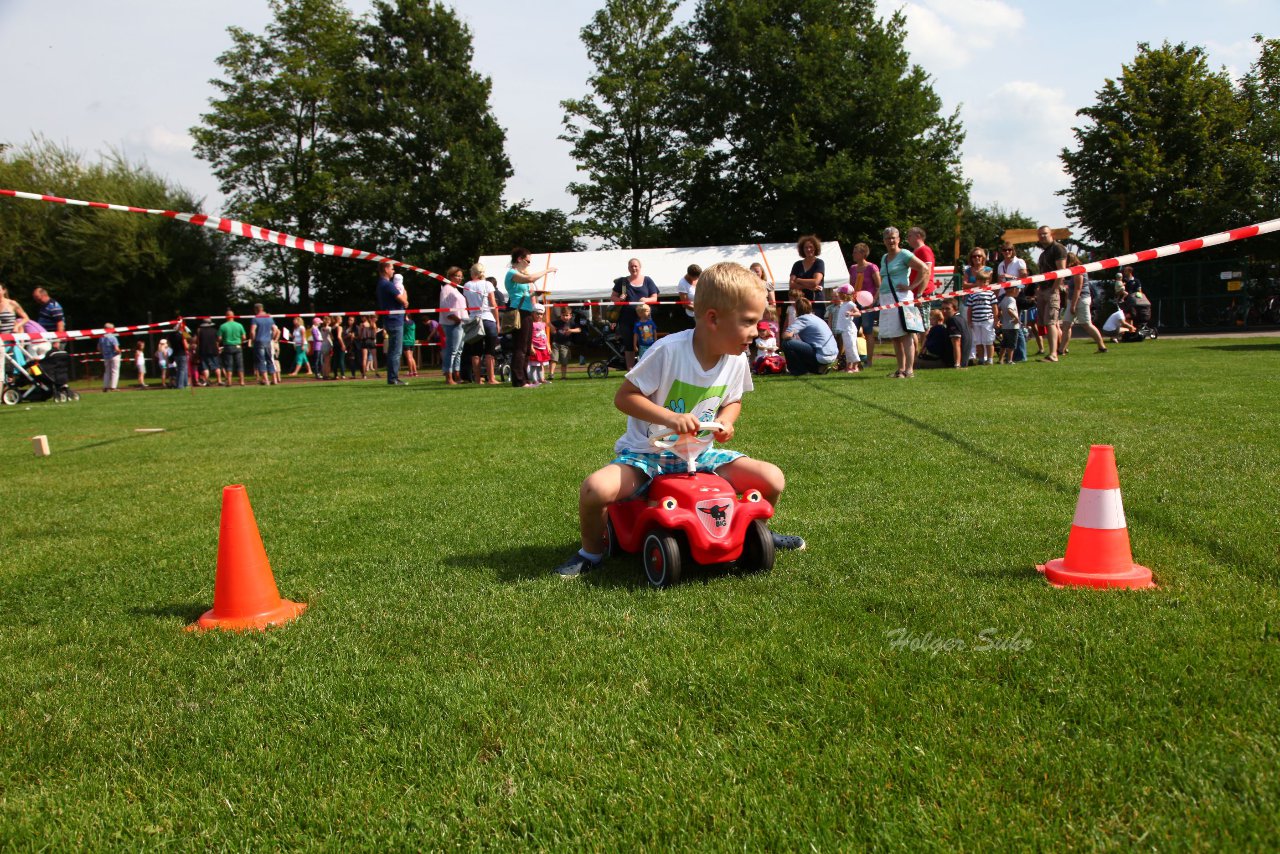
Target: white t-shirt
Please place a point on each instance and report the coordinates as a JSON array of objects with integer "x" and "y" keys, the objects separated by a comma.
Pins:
[
  {"x": 1009, "y": 312},
  {"x": 765, "y": 346},
  {"x": 1114, "y": 322},
  {"x": 1015, "y": 269},
  {"x": 686, "y": 291},
  {"x": 477, "y": 293},
  {"x": 843, "y": 318},
  {"x": 671, "y": 377}
]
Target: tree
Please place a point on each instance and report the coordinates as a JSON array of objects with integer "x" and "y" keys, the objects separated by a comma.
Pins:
[
  {"x": 274, "y": 138},
  {"x": 1259, "y": 93},
  {"x": 627, "y": 134},
  {"x": 106, "y": 265},
  {"x": 981, "y": 226},
  {"x": 813, "y": 119},
  {"x": 1163, "y": 155},
  {"x": 539, "y": 231},
  {"x": 424, "y": 142}
]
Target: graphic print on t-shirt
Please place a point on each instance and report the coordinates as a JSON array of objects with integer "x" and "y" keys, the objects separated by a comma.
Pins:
[{"x": 702, "y": 403}]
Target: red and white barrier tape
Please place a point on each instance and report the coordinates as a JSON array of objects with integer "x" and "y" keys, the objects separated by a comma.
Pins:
[
  {"x": 1106, "y": 264},
  {"x": 233, "y": 227},
  {"x": 85, "y": 334},
  {"x": 244, "y": 229}
]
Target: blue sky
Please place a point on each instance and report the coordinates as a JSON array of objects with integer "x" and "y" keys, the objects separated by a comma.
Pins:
[{"x": 133, "y": 74}]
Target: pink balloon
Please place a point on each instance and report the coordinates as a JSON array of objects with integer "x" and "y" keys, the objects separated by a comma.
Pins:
[{"x": 865, "y": 299}]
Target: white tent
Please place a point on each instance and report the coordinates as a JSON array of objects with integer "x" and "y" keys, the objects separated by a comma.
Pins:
[{"x": 590, "y": 275}]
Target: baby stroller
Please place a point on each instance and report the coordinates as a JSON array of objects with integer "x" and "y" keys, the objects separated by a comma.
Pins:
[
  {"x": 506, "y": 354},
  {"x": 612, "y": 342},
  {"x": 45, "y": 379}
]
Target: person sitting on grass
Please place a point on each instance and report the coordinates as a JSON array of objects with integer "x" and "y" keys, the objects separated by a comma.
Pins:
[
  {"x": 807, "y": 343},
  {"x": 688, "y": 377},
  {"x": 944, "y": 343},
  {"x": 766, "y": 345}
]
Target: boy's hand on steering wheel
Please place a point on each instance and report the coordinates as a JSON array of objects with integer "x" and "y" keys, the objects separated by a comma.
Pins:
[
  {"x": 723, "y": 436},
  {"x": 683, "y": 423}
]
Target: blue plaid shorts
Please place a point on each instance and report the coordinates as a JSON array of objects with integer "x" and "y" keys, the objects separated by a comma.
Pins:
[{"x": 668, "y": 463}]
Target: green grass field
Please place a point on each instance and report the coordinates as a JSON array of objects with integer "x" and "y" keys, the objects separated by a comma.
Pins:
[{"x": 443, "y": 689}]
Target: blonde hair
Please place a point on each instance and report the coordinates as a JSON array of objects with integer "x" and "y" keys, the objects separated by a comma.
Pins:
[
  {"x": 936, "y": 317},
  {"x": 643, "y": 309},
  {"x": 725, "y": 286},
  {"x": 477, "y": 270},
  {"x": 982, "y": 275}
]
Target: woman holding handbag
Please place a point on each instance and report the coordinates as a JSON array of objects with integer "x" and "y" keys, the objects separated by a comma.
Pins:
[{"x": 900, "y": 324}]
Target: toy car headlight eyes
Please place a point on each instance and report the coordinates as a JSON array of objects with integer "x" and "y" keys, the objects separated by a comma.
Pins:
[
  {"x": 753, "y": 495},
  {"x": 668, "y": 504}
]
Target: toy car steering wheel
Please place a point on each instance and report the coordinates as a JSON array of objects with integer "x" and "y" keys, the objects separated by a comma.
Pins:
[{"x": 670, "y": 441}]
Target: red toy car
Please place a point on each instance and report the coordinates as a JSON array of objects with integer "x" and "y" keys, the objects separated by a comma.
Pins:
[{"x": 691, "y": 517}]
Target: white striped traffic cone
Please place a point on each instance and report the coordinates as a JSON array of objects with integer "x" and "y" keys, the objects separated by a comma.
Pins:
[{"x": 1098, "y": 553}]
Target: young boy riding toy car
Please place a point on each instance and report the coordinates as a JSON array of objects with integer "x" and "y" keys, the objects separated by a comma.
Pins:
[{"x": 686, "y": 378}]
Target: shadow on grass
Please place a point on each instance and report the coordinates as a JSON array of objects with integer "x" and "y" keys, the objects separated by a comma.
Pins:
[
  {"x": 1225, "y": 553},
  {"x": 188, "y": 612},
  {"x": 1243, "y": 347},
  {"x": 515, "y": 564}
]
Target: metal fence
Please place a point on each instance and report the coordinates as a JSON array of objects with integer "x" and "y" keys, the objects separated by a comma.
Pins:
[{"x": 1211, "y": 295}]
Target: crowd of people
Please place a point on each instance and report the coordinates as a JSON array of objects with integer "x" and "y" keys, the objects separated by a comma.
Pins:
[
  {"x": 815, "y": 330},
  {"x": 938, "y": 328}
]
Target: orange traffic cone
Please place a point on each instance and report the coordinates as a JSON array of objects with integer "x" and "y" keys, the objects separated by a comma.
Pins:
[
  {"x": 1098, "y": 553},
  {"x": 244, "y": 593}
]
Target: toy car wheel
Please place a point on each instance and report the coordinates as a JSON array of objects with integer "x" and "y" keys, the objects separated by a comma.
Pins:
[
  {"x": 611, "y": 547},
  {"x": 757, "y": 548},
  {"x": 504, "y": 374},
  {"x": 73, "y": 396},
  {"x": 598, "y": 370},
  {"x": 10, "y": 397},
  {"x": 59, "y": 397},
  {"x": 661, "y": 560}
]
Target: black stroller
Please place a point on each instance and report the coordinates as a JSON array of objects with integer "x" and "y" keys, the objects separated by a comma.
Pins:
[
  {"x": 45, "y": 379},
  {"x": 611, "y": 341}
]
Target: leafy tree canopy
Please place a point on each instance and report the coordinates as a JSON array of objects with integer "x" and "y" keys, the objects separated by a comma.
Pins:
[
  {"x": 627, "y": 134},
  {"x": 1165, "y": 153},
  {"x": 99, "y": 264},
  {"x": 814, "y": 119}
]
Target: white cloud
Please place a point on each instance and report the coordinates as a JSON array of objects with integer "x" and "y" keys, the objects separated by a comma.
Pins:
[
  {"x": 950, "y": 34},
  {"x": 991, "y": 176},
  {"x": 161, "y": 140}
]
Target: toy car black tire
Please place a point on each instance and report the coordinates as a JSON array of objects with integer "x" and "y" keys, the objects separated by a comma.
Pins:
[
  {"x": 757, "y": 548},
  {"x": 598, "y": 370},
  {"x": 10, "y": 397},
  {"x": 611, "y": 548},
  {"x": 73, "y": 396},
  {"x": 661, "y": 560}
]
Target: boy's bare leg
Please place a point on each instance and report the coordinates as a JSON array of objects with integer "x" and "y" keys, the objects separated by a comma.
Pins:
[
  {"x": 597, "y": 492},
  {"x": 744, "y": 473}
]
